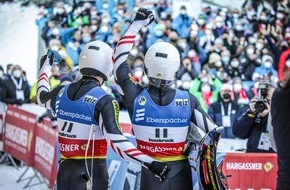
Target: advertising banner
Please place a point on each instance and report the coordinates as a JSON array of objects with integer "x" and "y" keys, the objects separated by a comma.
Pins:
[
  {"x": 19, "y": 130},
  {"x": 251, "y": 170},
  {"x": 1, "y": 126},
  {"x": 2, "y": 113},
  {"x": 45, "y": 151}
]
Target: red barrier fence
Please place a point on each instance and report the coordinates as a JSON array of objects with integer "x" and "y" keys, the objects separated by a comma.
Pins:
[
  {"x": 19, "y": 134},
  {"x": 31, "y": 142},
  {"x": 1, "y": 127},
  {"x": 255, "y": 171},
  {"x": 45, "y": 159}
]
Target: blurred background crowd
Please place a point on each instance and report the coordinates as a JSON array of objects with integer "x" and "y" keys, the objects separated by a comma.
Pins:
[{"x": 225, "y": 52}]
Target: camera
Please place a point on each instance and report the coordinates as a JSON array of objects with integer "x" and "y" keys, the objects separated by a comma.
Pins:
[{"x": 261, "y": 104}]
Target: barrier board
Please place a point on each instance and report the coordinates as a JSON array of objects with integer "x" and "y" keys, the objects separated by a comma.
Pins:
[
  {"x": 45, "y": 159},
  {"x": 251, "y": 170},
  {"x": 19, "y": 130}
]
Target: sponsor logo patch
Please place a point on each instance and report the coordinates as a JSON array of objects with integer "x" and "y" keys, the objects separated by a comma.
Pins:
[
  {"x": 142, "y": 101},
  {"x": 140, "y": 113},
  {"x": 181, "y": 102},
  {"x": 90, "y": 99}
]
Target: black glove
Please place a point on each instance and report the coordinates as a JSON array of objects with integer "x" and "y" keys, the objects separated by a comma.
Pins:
[
  {"x": 146, "y": 16},
  {"x": 160, "y": 169},
  {"x": 53, "y": 56},
  {"x": 189, "y": 148},
  {"x": 19, "y": 102}
]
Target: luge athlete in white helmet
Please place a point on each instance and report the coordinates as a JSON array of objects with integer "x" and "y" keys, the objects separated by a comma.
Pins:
[
  {"x": 87, "y": 121},
  {"x": 162, "y": 117}
]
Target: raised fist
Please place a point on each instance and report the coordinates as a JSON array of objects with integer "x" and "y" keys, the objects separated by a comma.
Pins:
[
  {"x": 145, "y": 16},
  {"x": 53, "y": 56}
]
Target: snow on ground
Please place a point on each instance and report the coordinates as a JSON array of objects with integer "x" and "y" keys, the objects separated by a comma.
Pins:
[
  {"x": 19, "y": 37},
  {"x": 10, "y": 174}
]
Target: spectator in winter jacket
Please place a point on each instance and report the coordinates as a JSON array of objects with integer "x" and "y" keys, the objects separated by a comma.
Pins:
[
  {"x": 267, "y": 68},
  {"x": 240, "y": 93},
  {"x": 182, "y": 23},
  {"x": 225, "y": 111},
  {"x": 15, "y": 90},
  {"x": 158, "y": 34},
  {"x": 205, "y": 89},
  {"x": 186, "y": 73},
  {"x": 253, "y": 124}
]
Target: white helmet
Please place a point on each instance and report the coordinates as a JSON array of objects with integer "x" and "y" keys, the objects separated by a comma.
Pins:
[
  {"x": 162, "y": 61},
  {"x": 96, "y": 59}
]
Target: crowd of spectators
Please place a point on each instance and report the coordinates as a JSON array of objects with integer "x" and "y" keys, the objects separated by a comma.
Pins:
[{"x": 223, "y": 51}]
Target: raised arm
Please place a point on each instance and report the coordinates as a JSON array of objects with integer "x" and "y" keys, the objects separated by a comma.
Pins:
[
  {"x": 122, "y": 71},
  {"x": 46, "y": 97}
]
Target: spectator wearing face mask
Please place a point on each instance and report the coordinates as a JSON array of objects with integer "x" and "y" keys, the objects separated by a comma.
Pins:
[
  {"x": 50, "y": 31},
  {"x": 195, "y": 59},
  {"x": 74, "y": 46},
  {"x": 234, "y": 69},
  {"x": 182, "y": 23},
  {"x": 207, "y": 40},
  {"x": 185, "y": 74},
  {"x": 80, "y": 16},
  {"x": 15, "y": 90},
  {"x": 267, "y": 68},
  {"x": 158, "y": 34},
  {"x": 105, "y": 5},
  {"x": 60, "y": 13},
  {"x": 249, "y": 61},
  {"x": 214, "y": 62},
  {"x": 276, "y": 48},
  {"x": 239, "y": 29},
  {"x": 263, "y": 18},
  {"x": 253, "y": 124},
  {"x": 208, "y": 14},
  {"x": 105, "y": 31},
  {"x": 138, "y": 69},
  {"x": 220, "y": 28},
  {"x": 195, "y": 33},
  {"x": 201, "y": 21},
  {"x": 225, "y": 111},
  {"x": 239, "y": 93},
  {"x": 226, "y": 57},
  {"x": 193, "y": 42},
  {"x": 205, "y": 88}
]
